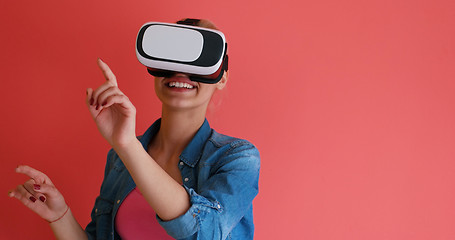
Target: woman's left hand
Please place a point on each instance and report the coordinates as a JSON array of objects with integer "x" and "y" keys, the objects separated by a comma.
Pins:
[
  {"x": 51, "y": 205},
  {"x": 112, "y": 111}
]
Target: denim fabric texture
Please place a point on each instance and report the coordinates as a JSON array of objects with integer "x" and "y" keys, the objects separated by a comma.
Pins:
[{"x": 220, "y": 174}]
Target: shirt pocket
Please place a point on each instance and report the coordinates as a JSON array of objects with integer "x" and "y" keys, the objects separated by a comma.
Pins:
[
  {"x": 103, "y": 218},
  {"x": 103, "y": 207}
]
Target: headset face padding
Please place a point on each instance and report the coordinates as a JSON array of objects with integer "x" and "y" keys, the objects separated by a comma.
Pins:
[{"x": 166, "y": 48}]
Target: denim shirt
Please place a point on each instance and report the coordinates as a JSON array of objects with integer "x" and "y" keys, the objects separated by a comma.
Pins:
[{"x": 220, "y": 174}]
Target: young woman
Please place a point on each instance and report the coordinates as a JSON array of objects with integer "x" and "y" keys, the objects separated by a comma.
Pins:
[{"x": 179, "y": 180}]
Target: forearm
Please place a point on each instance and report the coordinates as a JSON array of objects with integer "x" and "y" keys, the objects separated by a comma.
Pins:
[
  {"x": 67, "y": 228},
  {"x": 165, "y": 195}
]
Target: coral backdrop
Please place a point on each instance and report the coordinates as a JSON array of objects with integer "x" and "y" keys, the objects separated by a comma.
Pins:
[{"x": 350, "y": 102}]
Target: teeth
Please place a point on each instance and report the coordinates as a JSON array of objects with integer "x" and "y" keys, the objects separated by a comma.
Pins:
[{"x": 180, "y": 85}]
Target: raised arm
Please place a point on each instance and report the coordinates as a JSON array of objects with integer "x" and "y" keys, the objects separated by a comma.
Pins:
[{"x": 115, "y": 117}]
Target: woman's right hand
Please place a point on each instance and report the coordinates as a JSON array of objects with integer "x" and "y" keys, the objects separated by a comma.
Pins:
[
  {"x": 113, "y": 112},
  {"x": 40, "y": 195}
]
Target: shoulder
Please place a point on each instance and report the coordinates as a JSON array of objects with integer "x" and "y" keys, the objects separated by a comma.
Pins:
[
  {"x": 231, "y": 148},
  {"x": 220, "y": 140}
]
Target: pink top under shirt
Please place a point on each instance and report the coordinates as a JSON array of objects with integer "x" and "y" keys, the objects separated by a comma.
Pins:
[{"x": 136, "y": 220}]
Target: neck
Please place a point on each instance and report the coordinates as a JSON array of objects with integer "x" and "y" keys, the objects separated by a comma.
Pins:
[{"x": 177, "y": 129}]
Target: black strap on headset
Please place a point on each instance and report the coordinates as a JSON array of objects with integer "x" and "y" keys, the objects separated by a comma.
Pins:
[
  {"x": 226, "y": 61},
  {"x": 190, "y": 21}
]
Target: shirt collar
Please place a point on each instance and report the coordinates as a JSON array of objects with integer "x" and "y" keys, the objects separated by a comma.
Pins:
[
  {"x": 150, "y": 133},
  {"x": 192, "y": 153}
]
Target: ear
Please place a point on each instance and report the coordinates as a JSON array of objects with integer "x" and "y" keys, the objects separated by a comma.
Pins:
[{"x": 222, "y": 83}]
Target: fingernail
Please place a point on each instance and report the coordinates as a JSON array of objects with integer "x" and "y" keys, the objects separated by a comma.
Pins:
[
  {"x": 32, "y": 199},
  {"x": 42, "y": 199},
  {"x": 36, "y": 186}
]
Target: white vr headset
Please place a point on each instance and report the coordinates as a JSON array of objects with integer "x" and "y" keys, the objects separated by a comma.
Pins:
[{"x": 167, "y": 48}]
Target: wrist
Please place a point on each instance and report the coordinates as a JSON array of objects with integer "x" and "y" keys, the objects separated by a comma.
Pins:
[
  {"x": 126, "y": 147},
  {"x": 60, "y": 217}
]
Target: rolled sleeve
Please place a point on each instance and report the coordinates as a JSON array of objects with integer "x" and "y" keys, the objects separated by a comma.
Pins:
[
  {"x": 189, "y": 223},
  {"x": 223, "y": 199}
]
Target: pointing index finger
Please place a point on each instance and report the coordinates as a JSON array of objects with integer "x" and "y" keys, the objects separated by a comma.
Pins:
[{"x": 107, "y": 72}]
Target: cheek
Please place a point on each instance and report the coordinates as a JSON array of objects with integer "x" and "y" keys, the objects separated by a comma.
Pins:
[
  {"x": 157, "y": 80},
  {"x": 158, "y": 88},
  {"x": 207, "y": 90}
]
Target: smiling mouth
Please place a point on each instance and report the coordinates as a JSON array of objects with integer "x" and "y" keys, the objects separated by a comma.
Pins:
[{"x": 176, "y": 84}]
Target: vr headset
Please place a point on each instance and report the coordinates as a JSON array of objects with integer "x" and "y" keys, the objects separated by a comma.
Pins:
[{"x": 167, "y": 48}]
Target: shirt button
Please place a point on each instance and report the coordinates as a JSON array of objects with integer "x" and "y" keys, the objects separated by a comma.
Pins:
[
  {"x": 118, "y": 201},
  {"x": 186, "y": 179},
  {"x": 218, "y": 206},
  {"x": 96, "y": 210},
  {"x": 181, "y": 163}
]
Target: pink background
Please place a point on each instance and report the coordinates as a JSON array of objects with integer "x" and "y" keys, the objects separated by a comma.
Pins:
[{"x": 351, "y": 104}]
